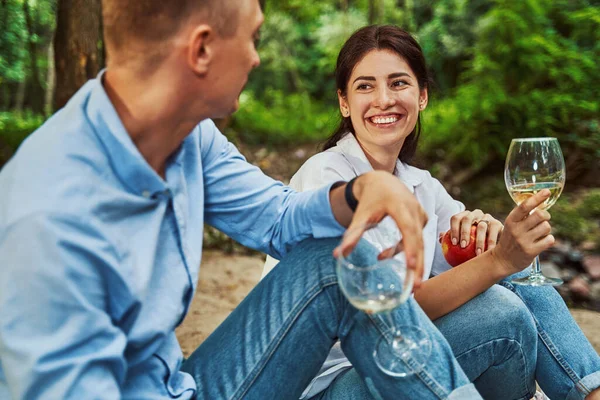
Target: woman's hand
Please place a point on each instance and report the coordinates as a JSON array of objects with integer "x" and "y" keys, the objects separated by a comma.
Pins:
[
  {"x": 488, "y": 229},
  {"x": 526, "y": 234}
]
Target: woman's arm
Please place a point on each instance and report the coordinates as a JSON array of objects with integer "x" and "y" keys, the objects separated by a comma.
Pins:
[
  {"x": 525, "y": 235},
  {"x": 446, "y": 292}
]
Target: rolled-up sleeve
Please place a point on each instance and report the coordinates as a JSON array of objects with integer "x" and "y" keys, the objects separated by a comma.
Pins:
[
  {"x": 252, "y": 208},
  {"x": 57, "y": 340}
]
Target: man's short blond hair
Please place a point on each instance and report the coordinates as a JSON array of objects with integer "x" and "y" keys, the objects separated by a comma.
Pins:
[{"x": 131, "y": 26}]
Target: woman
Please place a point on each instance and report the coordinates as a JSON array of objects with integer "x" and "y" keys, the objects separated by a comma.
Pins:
[{"x": 504, "y": 337}]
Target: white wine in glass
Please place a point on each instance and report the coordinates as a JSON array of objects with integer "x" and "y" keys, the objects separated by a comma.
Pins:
[
  {"x": 378, "y": 287},
  {"x": 534, "y": 164}
]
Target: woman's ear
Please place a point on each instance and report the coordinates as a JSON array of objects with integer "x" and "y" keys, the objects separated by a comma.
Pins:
[
  {"x": 344, "y": 108},
  {"x": 201, "y": 49},
  {"x": 423, "y": 99}
]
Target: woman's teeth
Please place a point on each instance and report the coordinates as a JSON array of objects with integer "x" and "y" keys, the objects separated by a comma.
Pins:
[{"x": 384, "y": 120}]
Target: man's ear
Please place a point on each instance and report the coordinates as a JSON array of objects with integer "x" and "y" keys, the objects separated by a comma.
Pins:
[
  {"x": 344, "y": 109},
  {"x": 201, "y": 49}
]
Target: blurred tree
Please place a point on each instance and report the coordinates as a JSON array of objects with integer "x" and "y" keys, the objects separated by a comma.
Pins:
[
  {"x": 532, "y": 72},
  {"x": 37, "y": 91},
  {"x": 76, "y": 46},
  {"x": 12, "y": 51},
  {"x": 376, "y": 11},
  {"x": 27, "y": 30}
]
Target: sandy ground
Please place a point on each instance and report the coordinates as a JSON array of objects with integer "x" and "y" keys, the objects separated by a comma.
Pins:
[{"x": 226, "y": 280}]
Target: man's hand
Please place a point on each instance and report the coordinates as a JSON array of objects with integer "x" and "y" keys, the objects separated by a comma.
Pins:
[{"x": 380, "y": 194}]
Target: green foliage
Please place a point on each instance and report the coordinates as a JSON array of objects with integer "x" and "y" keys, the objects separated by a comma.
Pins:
[
  {"x": 14, "y": 128},
  {"x": 576, "y": 217},
  {"x": 590, "y": 205},
  {"x": 447, "y": 39},
  {"x": 15, "y": 60},
  {"x": 502, "y": 69},
  {"x": 291, "y": 98},
  {"x": 280, "y": 118},
  {"x": 532, "y": 73},
  {"x": 12, "y": 38}
]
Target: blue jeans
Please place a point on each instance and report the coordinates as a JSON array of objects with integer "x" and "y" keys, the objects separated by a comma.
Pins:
[
  {"x": 275, "y": 341},
  {"x": 505, "y": 339},
  {"x": 567, "y": 365}
]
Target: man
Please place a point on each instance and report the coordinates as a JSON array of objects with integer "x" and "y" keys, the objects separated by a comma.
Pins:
[{"x": 101, "y": 230}]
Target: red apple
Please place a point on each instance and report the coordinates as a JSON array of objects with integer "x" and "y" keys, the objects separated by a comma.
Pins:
[{"x": 456, "y": 255}]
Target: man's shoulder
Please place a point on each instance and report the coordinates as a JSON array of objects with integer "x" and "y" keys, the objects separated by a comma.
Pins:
[{"x": 54, "y": 169}]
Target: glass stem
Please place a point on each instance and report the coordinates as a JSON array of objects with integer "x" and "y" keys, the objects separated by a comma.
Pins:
[
  {"x": 390, "y": 322},
  {"x": 537, "y": 269}
]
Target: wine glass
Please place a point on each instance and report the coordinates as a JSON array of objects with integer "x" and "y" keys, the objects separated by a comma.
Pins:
[
  {"x": 534, "y": 164},
  {"x": 378, "y": 287}
]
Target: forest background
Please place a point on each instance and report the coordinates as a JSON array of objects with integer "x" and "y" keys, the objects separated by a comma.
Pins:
[{"x": 501, "y": 69}]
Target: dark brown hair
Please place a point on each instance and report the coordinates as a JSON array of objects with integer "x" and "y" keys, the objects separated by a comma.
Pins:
[{"x": 363, "y": 41}]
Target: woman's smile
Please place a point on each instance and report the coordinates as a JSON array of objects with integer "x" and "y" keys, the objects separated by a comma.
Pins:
[{"x": 384, "y": 121}]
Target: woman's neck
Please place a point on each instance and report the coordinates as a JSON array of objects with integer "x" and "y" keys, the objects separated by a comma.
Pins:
[{"x": 382, "y": 158}]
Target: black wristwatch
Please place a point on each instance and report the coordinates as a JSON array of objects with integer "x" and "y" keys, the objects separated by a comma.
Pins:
[
  {"x": 350, "y": 199},
  {"x": 348, "y": 195}
]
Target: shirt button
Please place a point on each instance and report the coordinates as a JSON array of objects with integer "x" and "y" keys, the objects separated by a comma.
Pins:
[{"x": 146, "y": 194}]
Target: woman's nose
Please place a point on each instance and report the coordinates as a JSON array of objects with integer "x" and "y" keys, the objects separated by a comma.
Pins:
[{"x": 384, "y": 99}]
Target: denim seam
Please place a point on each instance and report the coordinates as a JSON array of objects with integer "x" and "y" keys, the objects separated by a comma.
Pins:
[
  {"x": 581, "y": 388},
  {"x": 293, "y": 316},
  {"x": 523, "y": 358},
  {"x": 548, "y": 342},
  {"x": 423, "y": 375}
]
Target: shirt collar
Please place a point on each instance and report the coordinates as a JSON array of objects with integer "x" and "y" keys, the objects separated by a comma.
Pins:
[
  {"x": 351, "y": 149},
  {"x": 126, "y": 160}
]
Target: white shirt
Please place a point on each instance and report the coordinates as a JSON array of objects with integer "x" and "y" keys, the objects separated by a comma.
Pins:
[{"x": 345, "y": 161}]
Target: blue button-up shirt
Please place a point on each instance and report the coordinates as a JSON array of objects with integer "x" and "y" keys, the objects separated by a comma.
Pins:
[{"x": 99, "y": 255}]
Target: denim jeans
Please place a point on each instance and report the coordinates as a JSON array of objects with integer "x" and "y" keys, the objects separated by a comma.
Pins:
[
  {"x": 275, "y": 341},
  {"x": 567, "y": 365},
  {"x": 505, "y": 339}
]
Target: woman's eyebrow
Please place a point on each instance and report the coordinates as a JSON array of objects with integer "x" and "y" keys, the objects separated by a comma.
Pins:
[
  {"x": 390, "y": 76},
  {"x": 397, "y": 75},
  {"x": 364, "y": 78}
]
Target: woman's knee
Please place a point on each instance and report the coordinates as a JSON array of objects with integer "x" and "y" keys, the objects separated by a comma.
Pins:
[
  {"x": 507, "y": 313},
  {"x": 496, "y": 314}
]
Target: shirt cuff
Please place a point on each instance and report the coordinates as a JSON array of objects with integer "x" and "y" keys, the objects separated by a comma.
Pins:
[{"x": 323, "y": 223}]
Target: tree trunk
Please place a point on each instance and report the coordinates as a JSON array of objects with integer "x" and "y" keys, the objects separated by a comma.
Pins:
[
  {"x": 409, "y": 16},
  {"x": 5, "y": 100},
  {"x": 50, "y": 80},
  {"x": 101, "y": 44},
  {"x": 37, "y": 91},
  {"x": 20, "y": 97},
  {"x": 3, "y": 12},
  {"x": 375, "y": 11},
  {"x": 75, "y": 46}
]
